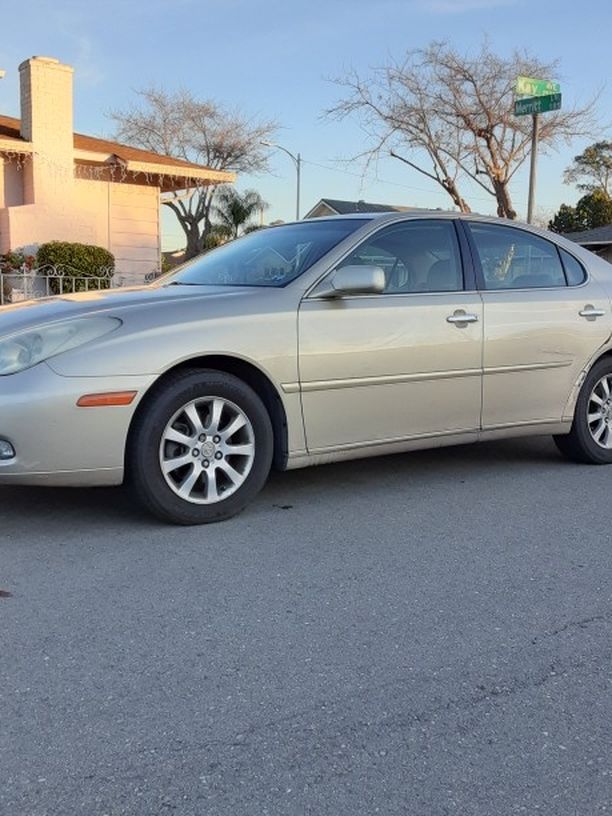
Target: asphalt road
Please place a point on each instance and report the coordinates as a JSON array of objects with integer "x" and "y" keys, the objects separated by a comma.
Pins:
[{"x": 423, "y": 635}]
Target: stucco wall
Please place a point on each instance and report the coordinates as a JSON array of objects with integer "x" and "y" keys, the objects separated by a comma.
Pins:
[
  {"x": 11, "y": 183},
  {"x": 123, "y": 218},
  {"x": 135, "y": 230}
]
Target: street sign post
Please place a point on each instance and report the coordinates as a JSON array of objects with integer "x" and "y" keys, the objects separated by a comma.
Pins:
[
  {"x": 537, "y": 104},
  {"x": 536, "y": 96}
]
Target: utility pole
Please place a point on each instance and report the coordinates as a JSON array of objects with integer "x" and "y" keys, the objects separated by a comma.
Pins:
[
  {"x": 532, "y": 166},
  {"x": 297, "y": 160},
  {"x": 298, "y": 167}
]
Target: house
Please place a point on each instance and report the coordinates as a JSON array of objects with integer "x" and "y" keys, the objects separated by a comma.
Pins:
[
  {"x": 60, "y": 185},
  {"x": 598, "y": 240},
  {"x": 335, "y": 206}
]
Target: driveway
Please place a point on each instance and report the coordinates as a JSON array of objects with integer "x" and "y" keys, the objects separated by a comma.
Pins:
[{"x": 421, "y": 635}]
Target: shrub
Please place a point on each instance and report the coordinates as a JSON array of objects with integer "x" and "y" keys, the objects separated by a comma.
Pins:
[
  {"x": 7, "y": 293},
  {"x": 76, "y": 262},
  {"x": 12, "y": 265},
  {"x": 16, "y": 261}
]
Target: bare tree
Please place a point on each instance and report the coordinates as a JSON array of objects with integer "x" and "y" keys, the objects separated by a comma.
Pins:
[
  {"x": 179, "y": 125},
  {"x": 450, "y": 117}
]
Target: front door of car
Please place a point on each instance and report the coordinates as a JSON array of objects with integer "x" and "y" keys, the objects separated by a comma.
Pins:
[
  {"x": 544, "y": 319},
  {"x": 403, "y": 364}
]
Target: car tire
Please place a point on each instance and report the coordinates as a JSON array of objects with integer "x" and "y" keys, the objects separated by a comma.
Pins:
[
  {"x": 581, "y": 445},
  {"x": 187, "y": 473}
]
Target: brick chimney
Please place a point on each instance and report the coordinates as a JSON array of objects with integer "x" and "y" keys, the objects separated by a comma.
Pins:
[{"x": 46, "y": 121}]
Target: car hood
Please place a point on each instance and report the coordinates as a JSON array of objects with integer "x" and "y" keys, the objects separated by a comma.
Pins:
[{"x": 31, "y": 313}]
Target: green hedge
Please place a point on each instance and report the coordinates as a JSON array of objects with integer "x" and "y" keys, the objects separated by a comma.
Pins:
[{"x": 76, "y": 261}]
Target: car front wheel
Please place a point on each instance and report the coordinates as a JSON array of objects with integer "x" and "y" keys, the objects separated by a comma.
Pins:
[
  {"x": 201, "y": 447},
  {"x": 590, "y": 439}
]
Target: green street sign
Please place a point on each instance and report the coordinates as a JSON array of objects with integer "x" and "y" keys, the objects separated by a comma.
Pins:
[
  {"x": 528, "y": 86},
  {"x": 537, "y": 104}
]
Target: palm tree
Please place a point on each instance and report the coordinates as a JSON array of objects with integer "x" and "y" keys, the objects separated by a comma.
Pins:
[{"x": 235, "y": 210}]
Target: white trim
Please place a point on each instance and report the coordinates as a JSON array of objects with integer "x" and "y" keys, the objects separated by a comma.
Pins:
[
  {"x": 9, "y": 145},
  {"x": 190, "y": 173}
]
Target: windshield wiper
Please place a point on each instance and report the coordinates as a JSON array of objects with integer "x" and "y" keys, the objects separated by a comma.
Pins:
[{"x": 184, "y": 283}]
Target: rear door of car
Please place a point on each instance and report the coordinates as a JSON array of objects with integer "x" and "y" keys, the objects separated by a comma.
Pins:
[{"x": 544, "y": 319}]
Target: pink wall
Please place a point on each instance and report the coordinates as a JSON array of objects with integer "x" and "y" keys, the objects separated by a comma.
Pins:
[
  {"x": 123, "y": 218},
  {"x": 49, "y": 199}
]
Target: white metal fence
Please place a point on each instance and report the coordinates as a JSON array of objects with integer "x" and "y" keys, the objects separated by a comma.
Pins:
[{"x": 27, "y": 283}]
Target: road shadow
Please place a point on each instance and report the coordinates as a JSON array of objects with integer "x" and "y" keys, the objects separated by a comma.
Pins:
[{"x": 117, "y": 506}]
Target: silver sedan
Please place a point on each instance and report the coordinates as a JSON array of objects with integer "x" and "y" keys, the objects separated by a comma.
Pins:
[{"x": 306, "y": 343}]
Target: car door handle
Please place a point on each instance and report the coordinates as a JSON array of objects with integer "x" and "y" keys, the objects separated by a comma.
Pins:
[
  {"x": 461, "y": 318},
  {"x": 591, "y": 312}
]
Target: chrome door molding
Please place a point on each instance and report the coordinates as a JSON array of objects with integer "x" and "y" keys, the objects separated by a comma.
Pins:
[
  {"x": 391, "y": 379},
  {"x": 510, "y": 369}
]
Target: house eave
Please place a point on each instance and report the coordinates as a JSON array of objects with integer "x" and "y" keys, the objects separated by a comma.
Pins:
[
  {"x": 199, "y": 176},
  {"x": 167, "y": 176},
  {"x": 10, "y": 145}
]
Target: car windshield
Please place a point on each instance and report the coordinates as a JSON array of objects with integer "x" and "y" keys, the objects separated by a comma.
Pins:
[{"x": 271, "y": 256}]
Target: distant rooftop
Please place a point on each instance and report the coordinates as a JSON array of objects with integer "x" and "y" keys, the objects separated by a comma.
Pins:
[
  {"x": 337, "y": 206},
  {"x": 599, "y": 235}
]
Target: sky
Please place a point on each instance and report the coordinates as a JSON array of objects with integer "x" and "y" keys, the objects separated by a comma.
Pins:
[{"x": 275, "y": 59}]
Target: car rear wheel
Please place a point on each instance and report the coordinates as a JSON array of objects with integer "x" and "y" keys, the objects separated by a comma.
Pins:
[
  {"x": 590, "y": 439},
  {"x": 201, "y": 448}
]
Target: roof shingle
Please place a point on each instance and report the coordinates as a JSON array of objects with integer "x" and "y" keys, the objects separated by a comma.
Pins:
[
  {"x": 10, "y": 128},
  {"x": 347, "y": 207},
  {"x": 599, "y": 235}
]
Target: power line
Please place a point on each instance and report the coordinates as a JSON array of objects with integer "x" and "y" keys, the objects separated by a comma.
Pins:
[
  {"x": 379, "y": 180},
  {"x": 428, "y": 191}
]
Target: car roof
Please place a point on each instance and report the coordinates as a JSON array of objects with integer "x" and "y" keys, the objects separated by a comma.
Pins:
[
  {"x": 415, "y": 215},
  {"x": 409, "y": 215},
  {"x": 405, "y": 215}
]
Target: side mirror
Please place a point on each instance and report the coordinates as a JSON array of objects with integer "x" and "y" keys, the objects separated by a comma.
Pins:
[{"x": 353, "y": 280}]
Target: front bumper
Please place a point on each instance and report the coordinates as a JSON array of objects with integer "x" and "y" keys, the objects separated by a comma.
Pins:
[{"x": 57, "y": 443}]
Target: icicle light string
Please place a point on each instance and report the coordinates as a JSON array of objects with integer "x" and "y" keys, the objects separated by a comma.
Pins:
[{"x": 117, "y": 172}]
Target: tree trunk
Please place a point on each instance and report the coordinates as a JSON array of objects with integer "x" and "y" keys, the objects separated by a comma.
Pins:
[
  {"x": 453, "y": 191},
  {"x": 194, "y": 223},
  {"x": 504, "y": 202},
  {"x": 194, "y": 240}
]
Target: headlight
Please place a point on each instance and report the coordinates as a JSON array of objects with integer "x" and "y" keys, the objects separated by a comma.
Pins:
[{"x": 26, "y": 349}]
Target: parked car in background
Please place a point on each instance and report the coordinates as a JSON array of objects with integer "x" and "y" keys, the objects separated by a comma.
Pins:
[{"x": 306, "y": 343}]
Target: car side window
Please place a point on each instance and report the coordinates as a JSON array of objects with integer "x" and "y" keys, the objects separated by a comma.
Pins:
[
  {"x": 416, "y": 256},
  {"x": 511, "y": 258},
  {"x": 574, "y": 270}
]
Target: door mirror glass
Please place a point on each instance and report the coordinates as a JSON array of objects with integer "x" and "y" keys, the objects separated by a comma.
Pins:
[{"x": 353, "y": 280}]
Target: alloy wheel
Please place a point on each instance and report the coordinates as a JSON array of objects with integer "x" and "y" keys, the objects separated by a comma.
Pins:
[
  {"x": 207, "y": 450},
  {"x": 599, "y": 412}
]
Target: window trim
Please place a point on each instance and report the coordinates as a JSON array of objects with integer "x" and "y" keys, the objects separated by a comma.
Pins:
[
  {"x": 465, "y": 261},
  {"x": 480, "y": 279}
]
